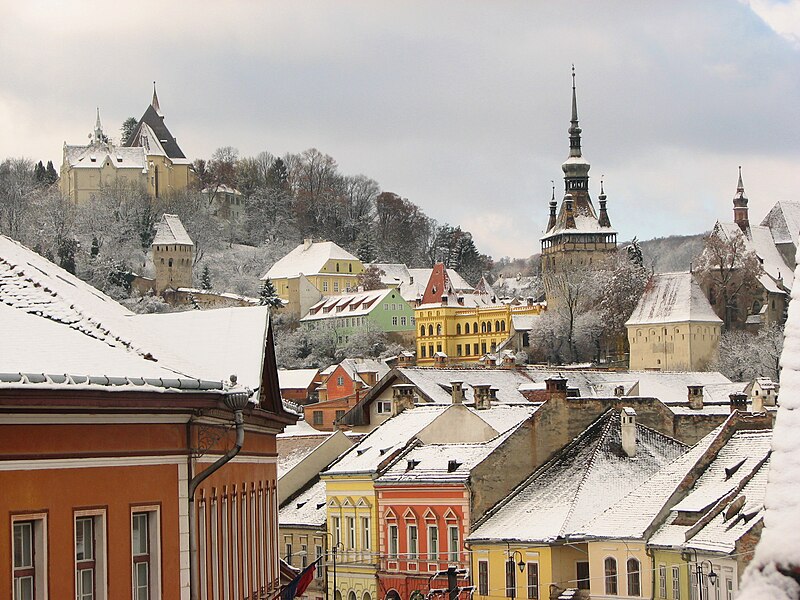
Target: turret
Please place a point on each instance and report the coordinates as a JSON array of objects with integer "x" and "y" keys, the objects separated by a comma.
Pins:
[{"x": 603, "y": 219}]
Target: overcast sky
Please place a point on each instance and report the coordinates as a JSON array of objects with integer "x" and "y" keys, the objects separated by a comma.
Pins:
[{"x": 462, "y": 107}]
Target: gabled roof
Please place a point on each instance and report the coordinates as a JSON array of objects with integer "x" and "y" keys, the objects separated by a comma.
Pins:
[
  {"x": 347, "y": 305},
  {"x": 307, "y": 260},
  {"x": 672, "y": 298},
  {"x": 95, "y": 155},
  {"x": 783, "y": 221},
  {"x": 152, "y": 130},
  {"x": 296, "y": 379},
  {"x": 305, "y": 509},
  {"x": 585, "y": 478},
  {"x": 170, "y": 230},
  {"x": 759, "y": 239}
]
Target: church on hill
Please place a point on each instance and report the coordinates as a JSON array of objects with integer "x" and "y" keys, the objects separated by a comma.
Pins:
[
  {"x": 151, "y": 158},
  {"x": 577, "y": 236}
]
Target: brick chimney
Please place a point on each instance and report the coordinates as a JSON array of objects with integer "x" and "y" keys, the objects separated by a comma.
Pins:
[
  {"x": 695, "y": 396},
  {"x": 440, "y": 360},
  {"x": 738, "y": 401},
  {"x": 483, "y": 399},
  {"x": 627, "y": 419},
  {"x": 406, "y": 359},
  {"x": 403, "y": 397},
  {"x": 556, "y": 385},
  {"x": 457, "y": 391},
  {"x": 509, "y": 361}
]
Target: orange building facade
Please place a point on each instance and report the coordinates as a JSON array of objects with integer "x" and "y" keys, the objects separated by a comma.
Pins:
[
  {"x": 422, "y": 532},
  {"x": 94, "y": 502}
]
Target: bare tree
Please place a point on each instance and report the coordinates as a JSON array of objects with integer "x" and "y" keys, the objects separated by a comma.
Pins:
[{"x": 743, "y": 356}]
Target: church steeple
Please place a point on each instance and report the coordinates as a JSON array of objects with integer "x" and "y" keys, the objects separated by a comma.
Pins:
[
  {"x": 574, "y": 129},
  {"x": 154, "y": 101},
  {"x": 576, "y": 168},
  {"x": 98, "y": 137},
  {"x": 740, "y": 206}
]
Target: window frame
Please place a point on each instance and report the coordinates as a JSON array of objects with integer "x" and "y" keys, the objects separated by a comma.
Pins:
[
  {"x": 413, "y": 548},
  {"x": 392, "y": 535},
  {"x": 99, "y": 559},
  {"x": 634, "y": 577},
  {"x": 611, "y": 576},
  {"x": 511, "y": 578},
  {"x": 483, "y": 577},
  {"x": 433, "y": 542},
  {"x": 532, "y": 571}
]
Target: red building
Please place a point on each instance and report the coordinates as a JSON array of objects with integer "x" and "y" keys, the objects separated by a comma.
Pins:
[{"x": 108, "y": 422}]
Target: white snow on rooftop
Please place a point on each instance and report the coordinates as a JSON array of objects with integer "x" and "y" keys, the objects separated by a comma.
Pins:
[
  {"x": 589, "y": 475},
  {"x": 306, "y": 509},
  {"x": 296, "y": 379},
  {"x": 119, "y": 157},
  {"x": 307, "y": 261},
  {"x": 346, "y": 305},
  {"x": 672, "y": 298},
  {"x": 170, "y": 230}
]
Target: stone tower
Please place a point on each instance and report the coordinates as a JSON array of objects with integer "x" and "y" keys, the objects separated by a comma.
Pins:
[
  {"x": 577, "y": 237},
  {"x": 173, "y": 255}
]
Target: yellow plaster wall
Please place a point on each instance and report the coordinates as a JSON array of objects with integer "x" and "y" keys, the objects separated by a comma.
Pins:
[
  {"x": 674, "y": 347},
  {"x": 621, "y": 551}
]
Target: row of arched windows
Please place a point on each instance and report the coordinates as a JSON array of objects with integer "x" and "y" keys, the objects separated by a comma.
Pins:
[
  {"x": 486, "y": 327},
  {"x": 633, "y": 571}
]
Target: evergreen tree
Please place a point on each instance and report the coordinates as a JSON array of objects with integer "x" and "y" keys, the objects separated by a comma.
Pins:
[
  {"x": 52, "y": 174},
  {"x": 269, "y": 295},
  {"x": 635, "y": 253},
  {"x": 205, "y": 278},
  {"x": 39, "y": 172},
  {"x": 127, "y": 130},
  {"x": 66, "y": 254},
  {"x": 95, "y": 247}
]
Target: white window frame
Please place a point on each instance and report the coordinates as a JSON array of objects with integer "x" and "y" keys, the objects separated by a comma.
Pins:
[
  {"x": 38, "y": 522},
  {"x": 351, "y": 532},
  {"x": 453, "y": 546},
  {"x": 97, "y": 518},
  {"x": 433, "y": 542},
  {"x": 366, "y": 543},
  {"x": 383, "y": 407},
  {"x": 532, "y": 587},
  {"x": 676, "y": 582},
  {"x": 336, "y": 527},
  {"x": 662, "y": 581},
  {"x": 153, "y": 551},
  {"x": 393, "y": 541},
  {"x": 483, "y": 577},
  {"x": 413, "y": 548}
]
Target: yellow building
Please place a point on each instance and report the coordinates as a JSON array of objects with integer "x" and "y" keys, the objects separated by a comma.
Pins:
[
  {"x": 673, "y": 328},
  {"x": 462, "y": 327},
  {"x": 151, "y": 158},
  {"x": 311, "y": 270}
]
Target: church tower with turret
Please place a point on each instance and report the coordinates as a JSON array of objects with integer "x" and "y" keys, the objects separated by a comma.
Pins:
[{"x": 578, "y": 237}]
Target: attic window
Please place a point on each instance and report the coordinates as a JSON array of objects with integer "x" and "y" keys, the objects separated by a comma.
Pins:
[
  {"x": 452, "y": 465},
  {"x": 729, "y": 471},
  {"x": 301, "y": 504},
  {"x": 411, "y": 464},
  {"x": 383, "y": 451},
  {"x": 361, "y": 451},
  {"x": 119, "y": 158},
  {"x": 320, "y": 505},
  {"x": 93, "y": 158}
]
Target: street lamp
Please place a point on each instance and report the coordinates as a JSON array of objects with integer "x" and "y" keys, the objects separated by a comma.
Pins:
[
  {"x": 712, "y": 576},
  {"x": 334, "y": 550},
  {"x": 516, "y": 556}
]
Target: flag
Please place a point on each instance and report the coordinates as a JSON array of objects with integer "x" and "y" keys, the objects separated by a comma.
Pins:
[{"x": 299, "y": 584}]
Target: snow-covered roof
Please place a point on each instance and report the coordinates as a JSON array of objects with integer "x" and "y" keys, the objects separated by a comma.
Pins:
[
  {"x": 95, "y": 155},
  {"x": 221, "y": 188},
  {"x": 356, "y": 366},
  {"x": 170, "y": 230},
  {"x": 296, "y": 379},
  {"x": 307, "y": 260},
  {"x": 294, "y": 448},
  {"x": 761, "y": 242},
  {"x": 783, "y": 220},
  {"x": 346, "y": 305},
  {"x": 585, "y": 478},
  {"x": 523, "y": 322},
  {"x": 779, "y": 548},
  {"x": 434, "y": 383},
  {"x": 672, "y": 298},
  {"x": 54, "y": 323},
  {"x": 306, "y": 509}
]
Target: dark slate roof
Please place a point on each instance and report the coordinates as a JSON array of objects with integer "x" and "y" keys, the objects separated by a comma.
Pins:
[{"x": 156, "y": 122}]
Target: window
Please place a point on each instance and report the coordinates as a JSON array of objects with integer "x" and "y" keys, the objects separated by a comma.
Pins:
[
  {"x": 438, "y": 329},
  {"x": 145, "y": 549},
  {"x": 475, "y": 349},
  {"x": 466, "y": 328},
  {"x": 483, "y": 577},
  {"x": 430, "y": 329},
  {"x": 394, "y": 321},
  {"x": 393, "y": 541},
  {"x": 337, "y": 530},
  {"x": 433, "y": 542},
  {"x": 303, "y": 555},
  {"x": 676, "y": 583},
  {"x": 365, "y": 541},
  {"x": 453, "y": 549},
  {"x": 340, "y": 381},
  {"x": 533, "y": 581},
  {"x": 403, "y": 321},
  {"x": 458, "y": 328},
  {"x": 412, "y": 542},
  {"x": 729, "y": 588},
  {"x": 335, "y": 286},
  {"x": 582, "y": 574},
  {"x": 288, "y": 542},
  {"x": 317, "y": 417},
  {"x": 662, "y": 581},
  {"x": 89, "y": 563},
  {"x": 511, "y": 578},
  {"x": 25, "y": 556},
  {"x": 458, "y": 350},
  {"x": 318, "y": 573},
  {"x": 351, "y": 532},
  {"x": 634, "y": 577},
  {"x": 325, "y": 285},
  {"x": 385, "y": 406},
  {"x": 339, "y": 414},
  {"x": 610, "y": 565},
  {"x": 422, "y": 330},
  {"x": 422, "y": 351}
]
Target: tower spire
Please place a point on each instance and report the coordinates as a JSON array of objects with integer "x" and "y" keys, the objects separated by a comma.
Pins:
[
  {"x": 154, "y": 102},
  {"x": 574, "y": 129},
  {"x": 98, "y": 129},
  {"x": 551, "y": 223},
  {"x": 740, "y": 216}
]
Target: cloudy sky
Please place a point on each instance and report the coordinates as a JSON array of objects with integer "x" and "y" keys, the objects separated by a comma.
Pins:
[{"x": 462, "y": 107}]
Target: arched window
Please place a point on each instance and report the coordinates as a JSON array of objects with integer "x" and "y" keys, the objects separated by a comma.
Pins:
[
  {"x": 337, "y": 595},
  {"x": 422, "y": 330},
  {"x": 610, "y": 565},
  {"x": 483, "y": 327},
  {"x": 458, "y": 328},
  {"x": 170, "y": 262},
  {"x": 430, "y": 329},
  {"x": 366, "y": 596},
  {"x": 634, "y": 577},
  {"x": 351, "y": 595},
  {"x": 466, "y": 327},
  {"x": 392, "y": 595},
  {"x": 475, "y": 327},
  {"x": 497, "y": 325},
  {"x": 438, "y": 329},
  {"x": 502, "y": 325}
]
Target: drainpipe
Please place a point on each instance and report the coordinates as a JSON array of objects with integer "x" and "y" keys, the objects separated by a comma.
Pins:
[{"x": 235, "y": 401}]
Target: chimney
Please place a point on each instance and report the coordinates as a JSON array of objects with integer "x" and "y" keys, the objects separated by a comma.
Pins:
[
  {"x": 403, "y": 397},
  {"x": 695, "y": 396},
  {"x": 440, "y": 360},
  {"x": 457, "y": 391},
  {"x": 482, "y": 396},
  {"x": 529, "y": 300},
  {"x": 738, "y": 401},
  {"x": 406, "y": 359},
  {"x": 556, "y": 385},
  {"x": 758, "y": 403},
  {"x": 627, "y": 419},
  {"x": 307, "y": 243},
  {"x": 619, "y": 391},
  {"x": 509, "y": 360}
]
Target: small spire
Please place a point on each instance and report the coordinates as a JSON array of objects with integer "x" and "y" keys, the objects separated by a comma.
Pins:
[
  {"x": 602, "y": 195},
  {"x": 740, "y": 185},
  {"x": 603, "y": 219},
  {"x": 553, "y": 196},
  {"x": 574, "y": 129},
  {"x": 98, "y": 129},
  {"x": 552, "y": 220},
  {"x": 154, "y": 102}
]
